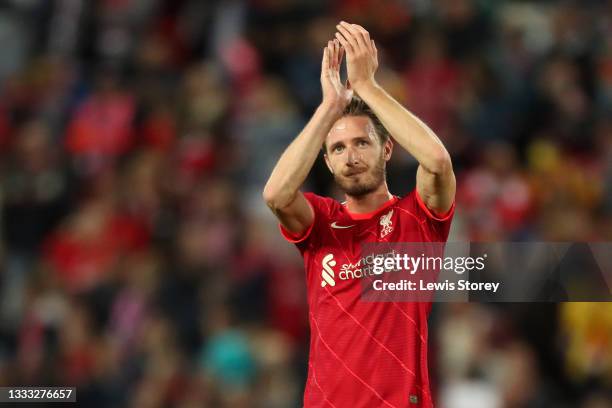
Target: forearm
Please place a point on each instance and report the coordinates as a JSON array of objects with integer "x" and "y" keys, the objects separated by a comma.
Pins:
[
  {"x": 297, "y": 160},
  {"x": 407, "y": 129}
]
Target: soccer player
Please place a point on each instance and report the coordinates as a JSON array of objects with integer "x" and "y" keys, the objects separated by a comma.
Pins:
[{"x": 362, "y": 354}]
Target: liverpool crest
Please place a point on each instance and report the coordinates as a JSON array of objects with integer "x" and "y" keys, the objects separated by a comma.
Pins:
[{"x": 386, "y": 223}]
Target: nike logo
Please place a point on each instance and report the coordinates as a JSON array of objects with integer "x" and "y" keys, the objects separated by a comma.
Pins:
[{"x": 334, "y": 225}]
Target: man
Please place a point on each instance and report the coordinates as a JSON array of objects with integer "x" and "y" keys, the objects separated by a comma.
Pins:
[{"x": 362, "y": 354}]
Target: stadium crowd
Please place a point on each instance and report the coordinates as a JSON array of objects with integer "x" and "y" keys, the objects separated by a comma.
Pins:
[{"x": 138, "y": 261}]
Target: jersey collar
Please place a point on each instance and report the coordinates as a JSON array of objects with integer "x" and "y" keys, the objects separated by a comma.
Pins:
[{"x": 368, "y": 215}]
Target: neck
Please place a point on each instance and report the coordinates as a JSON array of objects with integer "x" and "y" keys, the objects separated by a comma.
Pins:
[{"x": 368, "y": 202}]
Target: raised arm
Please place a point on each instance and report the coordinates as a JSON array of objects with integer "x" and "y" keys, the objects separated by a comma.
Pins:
[
  {"x": 435, "y": 178},
  {"x": 281, "y": 192}
]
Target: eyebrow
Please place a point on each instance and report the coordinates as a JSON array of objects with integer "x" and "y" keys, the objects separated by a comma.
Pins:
[
  {"x": 354, "y": 139},
  {"x": 361, "y": 138}
]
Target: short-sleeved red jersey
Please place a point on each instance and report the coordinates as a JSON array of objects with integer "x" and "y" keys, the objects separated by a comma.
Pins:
[{"x": 364, "y": 354}]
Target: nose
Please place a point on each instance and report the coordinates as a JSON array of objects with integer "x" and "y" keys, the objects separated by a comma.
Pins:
[{"x": 352, "y": 156}]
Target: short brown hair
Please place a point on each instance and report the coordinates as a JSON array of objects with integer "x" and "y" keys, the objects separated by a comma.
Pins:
[{"x": 357, "y": 107}]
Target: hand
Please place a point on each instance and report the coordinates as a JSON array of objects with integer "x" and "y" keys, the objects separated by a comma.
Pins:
[
  {"x": 335, "y": 94},
  {"x": 361, "y": 55}
]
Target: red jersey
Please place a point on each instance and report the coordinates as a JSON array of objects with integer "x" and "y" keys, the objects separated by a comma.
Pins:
[{"x": 364, "y": 354}]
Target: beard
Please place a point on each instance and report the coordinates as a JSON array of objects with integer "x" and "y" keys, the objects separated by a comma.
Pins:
[{"x": 364, "y": 183}]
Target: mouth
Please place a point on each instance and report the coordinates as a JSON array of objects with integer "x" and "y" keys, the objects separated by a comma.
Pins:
[{"x": 354, "y": 173}]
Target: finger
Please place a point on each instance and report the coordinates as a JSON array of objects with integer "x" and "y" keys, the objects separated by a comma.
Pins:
[
  {"x": 336, "y": 52},
  {"x": 346, "y": 33},
  {"x": 341, "y": 53},
  {"x": 374, "y": 49},
  {"x": 358, "y": 33},
  {"x": 365, "y": 37},
  {"x": 361, "y": 29},
  {"x": 354, "y": 36},
  {"x": 349, "y": 37},
  {"x": 333, "y": 73},
  {"x": 325, "y": 61},
  {"x": 348, "y": 48},
  {"x": 331, "y": 53}
]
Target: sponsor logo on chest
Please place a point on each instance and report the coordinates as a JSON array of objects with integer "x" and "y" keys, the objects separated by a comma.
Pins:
[{"x": 364, "y": 267}]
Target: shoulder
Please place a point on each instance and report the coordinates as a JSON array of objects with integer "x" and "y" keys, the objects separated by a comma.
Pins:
[
  {"x": 436, "y": 225},
  {"x": 322, "y": 205},
  {"x": 412, "y": 202},
  {"x": 324, "y": 208}
]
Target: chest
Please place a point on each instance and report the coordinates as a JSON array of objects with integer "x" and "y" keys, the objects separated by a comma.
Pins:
[
  {"x": 345, "y": 235},
  {"x": 342, "y": 259}
]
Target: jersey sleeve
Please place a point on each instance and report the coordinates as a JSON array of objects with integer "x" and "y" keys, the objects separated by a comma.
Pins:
[
  {"x": 321, "y": 209},
  {"x": 438, "y": 225}
]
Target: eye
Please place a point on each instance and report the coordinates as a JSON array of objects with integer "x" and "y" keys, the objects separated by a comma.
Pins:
[
  {"x": 338, "y": 149},
  {"x": 362, "y": 143}
]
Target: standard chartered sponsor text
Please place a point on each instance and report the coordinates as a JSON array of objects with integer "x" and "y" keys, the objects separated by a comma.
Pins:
[{"x": 363, "y": 267}]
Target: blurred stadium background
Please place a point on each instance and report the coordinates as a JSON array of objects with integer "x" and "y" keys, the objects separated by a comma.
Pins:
[{"x": 138, "y": 261}]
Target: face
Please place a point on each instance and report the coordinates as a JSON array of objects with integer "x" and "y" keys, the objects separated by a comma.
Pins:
[{"x": 355, "y": 155}]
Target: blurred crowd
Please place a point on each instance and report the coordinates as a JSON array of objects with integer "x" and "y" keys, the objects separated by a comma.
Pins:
[{"x": 138, "y": 261}]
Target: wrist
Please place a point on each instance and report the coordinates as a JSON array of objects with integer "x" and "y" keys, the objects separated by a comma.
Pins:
[
  {"x": 366, "y": 88},
  {"x": 334, "y": 109}
]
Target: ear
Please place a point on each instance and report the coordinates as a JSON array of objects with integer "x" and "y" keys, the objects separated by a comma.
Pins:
[
  {"x": 387, "y": 149},
  {"x": 331, "y": 169}
]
